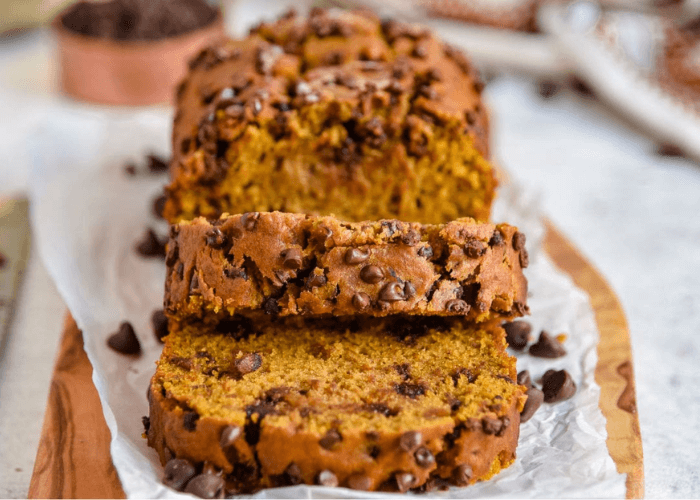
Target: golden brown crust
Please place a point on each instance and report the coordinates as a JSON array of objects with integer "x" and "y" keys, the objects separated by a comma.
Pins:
[
  {"x": 304, "y": 114},
  {"x": 292, "y": 264}
]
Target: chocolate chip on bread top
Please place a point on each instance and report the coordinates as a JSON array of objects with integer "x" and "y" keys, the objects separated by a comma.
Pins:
[
  {"x": 293, "y": 264},
  {"x": 335, "y": 114}
]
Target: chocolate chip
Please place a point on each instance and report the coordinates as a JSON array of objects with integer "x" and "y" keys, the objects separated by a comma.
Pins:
[
  {"x": 547, "y": 347},
  {"x": 156, "y": 165},
  {"x": 150, "y": 245},
  {"x": 548, "y": 89},
  {"x": 410, "y": 440},
  {"x": 124, "y": 340},
  {"x": 180, "y": 270},
  {"x": 462, "y": 474},
  {"x": 391, "y": 292},
  {"x": 316, "y": 280},
  {"x": 194, "y": 285},
  {"x": 496, "y": 239},
  {"x": 371, "y": 274},
  {"x": 293, "y": 474},
  {"x": 471, "y": 378},
  {"x": 130, "y": 169},
  {"x": 172, "y": 255},
  {"x": 230, "y": 435},
  {"x": 270, "y": 306},
  {"x": 474, "y": 248},
  {"x": 206, "y": 486},
  {"x": 356, "y": 256},
  {"x": 491, "y": 425},
  {"x": 426, "y": 252},
  {"x": 505, "y": 422},
  {"x": 359, "y": 482},
  {"x": 178, "y": 472},
  {"x": 557, "y": 386},
  {"x": 524, "y": 378},
  {"x": 146, "y": 421},
  {"x": 457, "y": 306},
  {"x": 424, "y": 457},
  {"x": 534, "y": 401},
  {"x": 159, "y": 205},
  {"x": 524, "y": 258},
  {"x": 215, "y": 238},
  {"x": 410, "y": 390},
  {"x": 517, "y": 334},
  {"x": 327, "y": 478},
  {"x": 249, "y": 220},
  {"x": 189, "y": 420},
  {"x": 291, "y": 258},
  {"x": 409, "y": 290},
  {"x": 235, "y": 272},
  {"x": 518, "y": 241},
  {"x": 330, "y": 439},
  {"x": 405, "y": 481},
  {"x": 671, "y": 150},
  {"x": 160, "y": 324},
  {"x": 360, "y": 300},
  {"x": 248, "y": 363}
]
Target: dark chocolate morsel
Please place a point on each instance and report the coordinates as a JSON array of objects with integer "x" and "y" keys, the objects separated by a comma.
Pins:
[
  {"x": 405, "y": 481},
  {"x": 248, "y": 363},
  {"x": 124, "y": 340},
  {"x": 359, "y": 482},
  {"x": 178, "y": 471},
  {"x": 160, "y": 324},
  {"x": 249, "y": 220},
  {"x": 356, "y": 256},
  {"x": 360, "y": 300},
  {"x": 457, "y": 306},
  {"x": 524, "y": 378},
  {"x": 371, "y": 274},
  {"x": 410, "y": 440},
  {"x": 557, "y": 386},
  {"x": 150, "y": 245},
  {"x": 547, "y": 347},
  {"x": 189, "y": 420},
  {"x": 215, "y": 238},
  {"x": 424, "y": 457},
  {"x": 462, "y": 474},
  {"x": 330, "y": 439},
  {"x": 534, "y": 401},
  {"x": 474, "y": 248},
  {"x": 518, "y": 241},
  {"x": 206, "y": 486},
  {"x": 517, "y": 334},
  {"x": 491, "y": 425},
  {"x": 291, "y": 258},
  {"x": 391, "y": 292},
  {"x": 496, "y": 238}
]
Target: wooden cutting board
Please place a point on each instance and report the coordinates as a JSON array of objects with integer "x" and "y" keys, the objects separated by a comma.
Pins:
[{"x": 73, "y": 459}]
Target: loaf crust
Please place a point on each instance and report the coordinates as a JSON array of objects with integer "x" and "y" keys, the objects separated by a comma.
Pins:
[
  {"x": 464, "y": 419},
  {"x": 335, "y": 114},
  {"x": 291, "y": 264}
]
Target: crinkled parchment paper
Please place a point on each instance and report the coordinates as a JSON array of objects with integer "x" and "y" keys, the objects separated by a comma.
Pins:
[{"x": 88, "y": 216}]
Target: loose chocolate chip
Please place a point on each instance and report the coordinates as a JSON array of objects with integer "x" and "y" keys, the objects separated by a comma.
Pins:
[
  {"x": 359, "y": 482},
  {"x": 248, "y": 363},
  {"x": 330, "y": 439},
  {"x": 291, "y": 258},
  {"x": 229, "y": 435},
  {"x": 206, "y": 486},
  {"x": 474, "y": 248},
  {"x": 391, "y": 292},
  {"x": 130, "y": 169},
  {"x": 159, "y": 205},
  {"x": 146, "y": 421},
  {"x": 160, "y": 324},
  {"x": 517, "y": 334},
  {"x": 124, "y": 340},
  {"x": 150, "y": 245},
  {"x": 327, "y": 478},
  {"x": 496, "y": 238},
  {"x": 215, "y": 238},
  {"x": 558, "y": 386},
  {"x": 360, "y": 300},
  {"x": 534, "y": 401},
  {"x": 249, "y": 220},
  {"x": 518, "y": 241},
  {"x": 457, "y": 306},
  {"x": 410, "y": 390},
  {"x": 426, "y": 252},
  {"x": 356, "y": 256},
  {"x": 524, "y": 378},
  {"x": 189, "y": 420},
  {"x": 410, "y": 440},
  {"x": 424, "y": 457},
  {"x": 491, "y": 425},
  {"x": 547, "y": 347},
  {"x": 156, "y": 165},
  {"x": 668, "y": 149},
  {"x": 462, "y": 474},
  {"x": 405, "y": 481},
  {"x": 316, "y": 280},
  {"x": 178, "y": 472},
  {"x": 371, "y": 274}
]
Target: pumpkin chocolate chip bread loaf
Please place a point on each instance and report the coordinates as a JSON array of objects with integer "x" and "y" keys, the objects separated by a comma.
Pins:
[
  {"x": 370, "y": 404},
  {"x": 295, "y": 264},
  {"x": 335, "y": 114}
]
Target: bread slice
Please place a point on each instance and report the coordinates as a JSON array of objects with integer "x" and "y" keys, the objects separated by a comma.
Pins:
[
  {"x": 370, "y": 403},
  {"x": 291, "y": 264}
]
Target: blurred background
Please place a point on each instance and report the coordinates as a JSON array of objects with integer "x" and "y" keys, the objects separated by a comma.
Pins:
[{"x": 596, "y": 110}]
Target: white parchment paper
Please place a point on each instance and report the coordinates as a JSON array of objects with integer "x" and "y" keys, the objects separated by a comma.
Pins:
[{"x": 88, "y": 216}]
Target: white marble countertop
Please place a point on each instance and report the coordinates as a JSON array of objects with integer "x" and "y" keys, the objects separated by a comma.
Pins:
[{"x": 633, "y": 214}]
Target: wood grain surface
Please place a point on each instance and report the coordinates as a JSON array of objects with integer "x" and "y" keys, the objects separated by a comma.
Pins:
[{"x": 73, "y": 459}]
